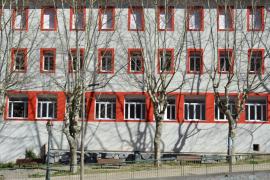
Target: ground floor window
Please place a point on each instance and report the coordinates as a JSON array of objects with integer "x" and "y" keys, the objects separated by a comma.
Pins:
[
  {"x": 170, "y": 113},
  {"x": 18, "y": 107},
  {"x": 105, "y": 108},
  {"x": 46, "y": 108},
  {"x": 256, "y": 110},
  {"x": 220, "y": 116},
  {"x": 194, "y": 109},
  {"x": 135, "y": 108}
]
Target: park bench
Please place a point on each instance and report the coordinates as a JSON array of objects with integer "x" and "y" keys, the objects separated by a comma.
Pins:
[
  {"x": 110, "y": 162},
  {"x": 189, "y": 158},
  {"x": 28, "y": 162}
]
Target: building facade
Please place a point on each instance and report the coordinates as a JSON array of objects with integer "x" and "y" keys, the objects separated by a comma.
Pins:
[{"x": 119, "y": 44}]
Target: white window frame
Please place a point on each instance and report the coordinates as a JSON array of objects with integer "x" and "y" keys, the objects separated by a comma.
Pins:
[
  {"x": 47, "y": 102},
  {"x": 165, "y": 18},
  {"x": 107, "y": 18},
  {"x": 255, "y": 18},
  {"x": 106, "y": 56},
  {"x": 224, "y": 56},
  {"x": 255, "y": 58},
  {"x": 23, "y": 100},
  {"x": 256, "y": 105},
  {"x": 225, "y": 18},
  {"x": 195, "y": 57},
  {"x": 135, "y": 102},
  {"x": 231, "y": 106},
  {"x": 136, "y": 18},
  {"x": 195, "y": 19},
  {"x": 21, "y": 55},
  {"x": 168, "y": 57},
  {"x": 137, "y": 58},
  {"x": 74, "y": 57},
  {"x": 49, "y": 56},
  {"x": 49, "y": 22},
  {"x": 106, "y": 101},
  {"x": 20, "y": 19},
  {"x": 201, "y": 103},
  {"x": 170, "y": 107},
  {"x": 78, "y": 19}
]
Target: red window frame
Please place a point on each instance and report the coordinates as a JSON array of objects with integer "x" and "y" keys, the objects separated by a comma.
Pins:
[
  {"x": 130, "y": 51},
  {"x": 201, "y": 11},
  {"x": 100, "y": 52},
  {"x": 230, "y": 52},
  {"x": 171, "y": 50},
  {"x": 43, "y": 9},
  {"x": 231, "y": 11},
  {"x": 71, "y": 19},
  {"x": 100, "y": 13},
  {"x": 262, "y": 56},
  {"x": 171, "y": 12},
  {"x": 70, "y": 63},
  {"x": 249, "y": 9},
  {"x": 14, "y": 14},
  {"x": 132, "y": 9},
  {"x": 13, "y": 53},
  {"x": 200, "y": 51},
  {"x": 42, "y": 52}
]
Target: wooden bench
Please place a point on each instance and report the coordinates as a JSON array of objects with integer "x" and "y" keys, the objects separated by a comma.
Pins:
[
  {"x": 189, "y": 158},
  {"x": 28, "y": 162},
  {"x": 110, "y": 162}
]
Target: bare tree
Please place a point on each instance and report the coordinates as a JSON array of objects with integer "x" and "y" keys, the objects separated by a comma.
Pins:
[{"x": 237, "y": 68}]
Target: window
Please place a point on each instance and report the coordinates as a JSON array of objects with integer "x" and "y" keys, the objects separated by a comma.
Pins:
[
  {"x": 195, "y": 19},
  {"x": 48, "y": 19},
  {"x": 106, "y": 18},
  {"x": 47, "y": 60},
  {"x": 194, "y": 109},
  {"x": 166, "y": 19},
  {"x": 135, "y": 19},
  {"x": 77, "y": 16},
  {"x": 74, "y": 64},
  {"x": 105, "y": 108},
  {"x": 165, "y": 63},
  {"x": 256, "y": 60},
  {"x": 19, "y": 60},
  {"x": 195, "y": 61},
  {"x": 134, "y": 108},
  {"x": 106, "y": 60},
  {"x": 225, "y": 61},
  {"x": 135, "y": 61},
  {"x": 46, "y": 108},
  {"x": 225, "y": 18},
  {"x": 255, "y": 19},
  {"x": 220, "y": 116},
  {"x": 18, "y": 107},
  {"x": 255, "y": 110},
  {"x": 170, "y": 113},
  {"x": 20, "y": 19}
]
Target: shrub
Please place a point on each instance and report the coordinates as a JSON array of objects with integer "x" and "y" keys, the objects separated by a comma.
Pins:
[{"x": 29, "y": 154}]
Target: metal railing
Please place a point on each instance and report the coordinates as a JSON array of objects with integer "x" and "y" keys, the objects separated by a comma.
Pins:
[{"x": 216, "y": 165}]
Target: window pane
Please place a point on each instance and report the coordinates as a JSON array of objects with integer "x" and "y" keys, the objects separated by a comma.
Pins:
[
  {"x": 259, "y": 112},
  {"x": 44, "y": 109},
  {"x": 102, "y": 111},
  {"x": 191, "y": 112},
  {"x": 109, "y": 111},
  {"x": 186, "y": 111},
  {"x": 252, "y": 112},
  {"x": 138, "y": 111},
  {"x": 114, "y": 111},
  {"x": 126, "y": 111},
  {"x": 51, "y": 110},
  {"x": 132, "y": 111},
  {"x": 97, "y": 110}
]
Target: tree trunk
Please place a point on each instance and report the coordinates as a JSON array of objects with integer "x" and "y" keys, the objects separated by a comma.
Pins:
[
  {"x": 73, "y": 158},
  {"x": 157, "y": 140},
  {"x": 231, "y": 145}
]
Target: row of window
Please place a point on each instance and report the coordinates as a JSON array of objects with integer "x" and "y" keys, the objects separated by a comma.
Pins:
[
  {"x": 136, "y": 21},
  {"x": 136, "y": 61},
  {"x": 135, "y": 108}
]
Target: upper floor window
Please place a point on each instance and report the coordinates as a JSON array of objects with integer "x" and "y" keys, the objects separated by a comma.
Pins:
[
  {"x": 219, "y": 114},
  {"x": 135, "y": 61},
  {"x": 256, "y": 110},
  {"x": 166, "y": 18},
  {"x": 48, "y": 19},
  {"x": 255, "y": 19},
  {"x": 135, "y": 108},
  {"x": 47, "y": 108},
  {"x": 256, "y": 60},
  {"x": 195, "y": 61},
  {"x": 19, "y": 60},
  {"x": 225, "y": 61},
  {"x": 225, "y": 18},
  {"x": 195, "y": 16},
  {"x": 47, "y": 60},
  {"x": 106, "y": 60},
  {"x": 194, "y": 108},
  {"x": 170, "y": 113},
  {"x": 106, "y": 107},
  {"x": 20, "y": 19},
  {"x": 17, "y": 107},
  {"x": 76, "y": 58},
  {"x": 165, "y": 60},
  {"x": 106, "y": 18},
  {"x": 77, "y": 16},
  {"x": 135, "y": 19}
]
